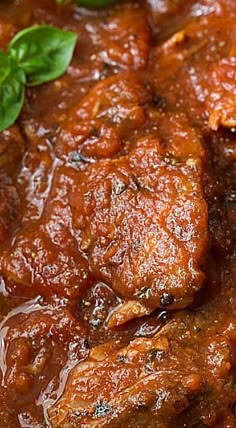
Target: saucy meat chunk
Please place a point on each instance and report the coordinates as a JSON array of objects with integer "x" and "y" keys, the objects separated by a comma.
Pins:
[
  {"x": 35, "y": 339},
  {"x": 44, "y": 255},
  {"x": 122, "y": 38},
  {"x": 96, "y": 127},
  {"x": 147, "y": 382},
  {"x": 127, "y": 386},
  {"x": 144, "y": 226},
  {"x": 27, "y": 344}
]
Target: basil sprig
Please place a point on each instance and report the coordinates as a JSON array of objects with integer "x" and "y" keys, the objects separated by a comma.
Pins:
[
  {"x": 35, "y": 55},
  {"x": 12, "y": 90}
]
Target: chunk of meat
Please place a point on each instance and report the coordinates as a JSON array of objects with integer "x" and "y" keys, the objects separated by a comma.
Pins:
[
  {"x": 44, "y": 256},
  {"x": 132, "y": 383},
  {"x": 143, "y": 219},
  {"x": 107, "y": 114},
  {"x": 221, "y": 102},
  {"x": 179, "y": 138},
  {"x": 176, "y": 64},
  {"x": 36, "y": 344},
  {"x": 147, "y": 384},
  {"x": 26, "y": 345},
  {"x": 123, "y": 38}
]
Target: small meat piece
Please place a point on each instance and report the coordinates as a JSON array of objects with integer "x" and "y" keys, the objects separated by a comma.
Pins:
[
  {"x": 221, "y": 102},
  {"x": 27, "y": 345},
  {"x": 143, "y": 219},
  {"x": 136, "y": 384},
  {"x": 181, "y": 139},
  {"x": 168, "y": 380},
  {"x": 106, "y": 115},
  {"x": 44, "y": 256},
  {"x": 123, "y": 38},
  {"x": 36, "y": 343}
]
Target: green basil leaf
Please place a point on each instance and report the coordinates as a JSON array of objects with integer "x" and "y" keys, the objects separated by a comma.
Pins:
[
  {"x": 5, "y": 66},
  {"x": 12, "y": 84},
  {"x": 42, "y": 52}
]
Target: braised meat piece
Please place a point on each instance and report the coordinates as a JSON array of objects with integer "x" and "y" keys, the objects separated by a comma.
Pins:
[
  {"x": 143, "y": 219},
  {"x": 104, "y": 118},
  {"x": 123, "y": 37},
  {"x": 141, "y": 225},
  {"x": 30, "y": 338},
  {"x": 128, "y": 386},
  {"x": 139, "y": 220},
  {"x": 44, "y": 255},
  {"x": 36, "y": 338},
  {"x": 147, "y": 384}
]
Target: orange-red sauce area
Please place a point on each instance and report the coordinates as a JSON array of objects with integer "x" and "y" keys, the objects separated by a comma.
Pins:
[{"x": 118, "y": 222}]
